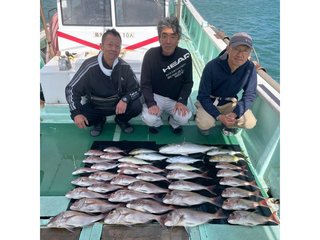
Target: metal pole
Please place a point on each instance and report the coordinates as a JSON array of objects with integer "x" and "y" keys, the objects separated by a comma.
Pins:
[{"x": 48, "y": 37}]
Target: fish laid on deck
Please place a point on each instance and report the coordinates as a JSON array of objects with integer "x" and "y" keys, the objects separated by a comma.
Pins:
[
  {"x": 150, "y": 169},
  {"x": 182, "y": 166},
  {"x": 133, "y": 160},
  {"x": 129, "y": 171},
  {"x": 93, "y": 152},
  {"x": 103, "y": 176},
  {"x": 184, "y": 148},
  {"x": 104, "y": 187},
  {"x": 104, "y": 166},
  {"x": 83, "y": 170},
  {"x": 230, "y": 173},
  {"x": 94, "y": 159},
  {"x": 128, "y": 195},
  {"x": 73, "y": 219},
  {"x": 182, "y": 174},
  {"x": 189, "y": 186},
  {"x": 152, "y": 177},
  {"x": 191, "y": 218},
  {"x": 225, "y": 165},
  {"x": 111, "y": 156},
  {"x": 149, "y": 205},
  {"x": 113, "y": 149},
  {"x": 84, "y": 181},
  {"x": 233, "y": 192},
  {"x": 150, "y": 156},
  {"x": 146, "y": 187},
  {"x": 247, "y": 218},
  {"x": 127, "y": 216},
  {"x": 183, "y": 159},
  {"x": 81, "y": 192},
  {"x": 92, "y": 205},
  {"x": 219, "y": 151},
  {"x": 123, "y": 180},
  {"x": 225, "y": 158},
  {"x": 242, "y": 204},
  {"x": 236, "y": 182},
  {"x": 141, "y": 150},
  {"x": 184, "y": 198}
]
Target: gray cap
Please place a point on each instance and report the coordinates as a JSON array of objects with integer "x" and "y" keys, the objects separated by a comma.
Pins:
[{"x": 241, "y": 38}]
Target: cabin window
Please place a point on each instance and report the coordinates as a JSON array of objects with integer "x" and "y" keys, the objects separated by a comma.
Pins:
[
  {"x": 139, "y": 12},
  {"x": 86, "y": 12}
]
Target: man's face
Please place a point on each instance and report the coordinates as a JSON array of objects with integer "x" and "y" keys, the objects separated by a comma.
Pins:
[
  {"x": 111, "y": 47},
  {"x": 168, "y": 41},
  {"x": 238, "y": 55}
]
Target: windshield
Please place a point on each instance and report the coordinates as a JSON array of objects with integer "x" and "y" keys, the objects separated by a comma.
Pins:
[{"x": 86, "y": 12}]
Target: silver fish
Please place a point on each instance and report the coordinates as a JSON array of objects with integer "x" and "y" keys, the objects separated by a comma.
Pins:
[
  {"x": 140, "y": 151},
  {"x": 225, "y": 165},
  {"x": 128, "y": 195},
  {"x": 242, "y": 204},
  {"x": 149, "y": 205},
  {"x": 111, "y": 156},
  {"x": 126, "y": 216},
  {"x": 93, "y": 152},
  {"x": 223, "y": 151},
  {"x": 236, "y": 182},
  {"x": 250, "y": 219},
  {"x": 230, "y": 173},
  {"x": 84, "y": 170},
  {"x": 181, "y": 174},
  {"x": 184, "y": 198},
  {"x": 225, "y": 158},
  {"x": 189, "y": 186},
  {"x": 182, "y": 166},
  {"x": 183, "y": 159},
  {"x": 113, "y": 149},
  {"x": 73, "y": 219},
  {"x": 184, "y": 148},
  {"x": 150, "y": 169},
  {"x": 94, "y": 159},
  {"x": 84, "y": 181},
  {"x": 190, "y": 218},
  {"x": 123, "y": 180},
  {"x": 133, "y": 160},
  {"x": 239, "y": 192},
  {"x": 151, "y": 177},
  {"x": 146, "y": 187},
  {"x": 104, "y": 166},
  {"x": 80, "y": 192},
  {"x": 92, "y": 205},
  {"x": 130, "y": 165},
  {"x": 150, "y": 156},
  {"x": 103, "y": 176},
  {"x": 104, "y": 187},
  {"x": 129, "y": 171}
]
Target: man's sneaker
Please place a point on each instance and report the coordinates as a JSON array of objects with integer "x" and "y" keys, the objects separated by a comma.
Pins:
[
  {"x": 97, "y": 129},
  {"x": 125, "y": 126},
  {"x": 204, "y": 132},
  {"x": 177, "y": 130},
  {"x": 153, "y": 130},
  {"x": 229, "y": 131}
]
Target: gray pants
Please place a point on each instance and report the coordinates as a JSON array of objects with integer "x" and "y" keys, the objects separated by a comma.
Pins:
[
  {"x": 205, "y": 121},
  {"x": 166, "y": 105}
]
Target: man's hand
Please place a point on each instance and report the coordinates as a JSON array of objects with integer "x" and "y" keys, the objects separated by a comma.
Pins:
[
  {"x": 181, "y": 108},
  {"x": 229, "y": 120},
  {"x": 121, "y": 107},
  {"x": 81, "y": 121},
  {"x": 154, "y": 110}
]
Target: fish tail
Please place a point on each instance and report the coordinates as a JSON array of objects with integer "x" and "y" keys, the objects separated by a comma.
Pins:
[
  {"x": 218, "y": 201},
  {"x": 274, "y": 218},
  {"x": 257, "y": 193},
  {"x": 210, "y": 189},
  {"x": 220, "y": 214}
]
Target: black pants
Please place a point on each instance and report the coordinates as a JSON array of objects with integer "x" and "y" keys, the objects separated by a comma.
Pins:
[{"x": 95, "y": 116}]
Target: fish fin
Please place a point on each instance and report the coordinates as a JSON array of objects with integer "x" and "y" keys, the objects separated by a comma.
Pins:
[
  {"x": 218, "y": 201},
  {"x": 210, "y": 189}
]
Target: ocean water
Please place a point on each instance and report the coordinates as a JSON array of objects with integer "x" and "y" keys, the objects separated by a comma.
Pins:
[{"x": 259, "y": 18}]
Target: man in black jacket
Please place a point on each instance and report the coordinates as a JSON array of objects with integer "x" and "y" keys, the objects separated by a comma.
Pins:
[
  {"x": 109, "y": 85},
  {"x": 166, "y": 79}
]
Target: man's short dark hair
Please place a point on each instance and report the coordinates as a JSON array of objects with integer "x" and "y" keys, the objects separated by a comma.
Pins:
[
  {"x": 169, "y": 22},
  {"x": 113, "y": 32}
]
